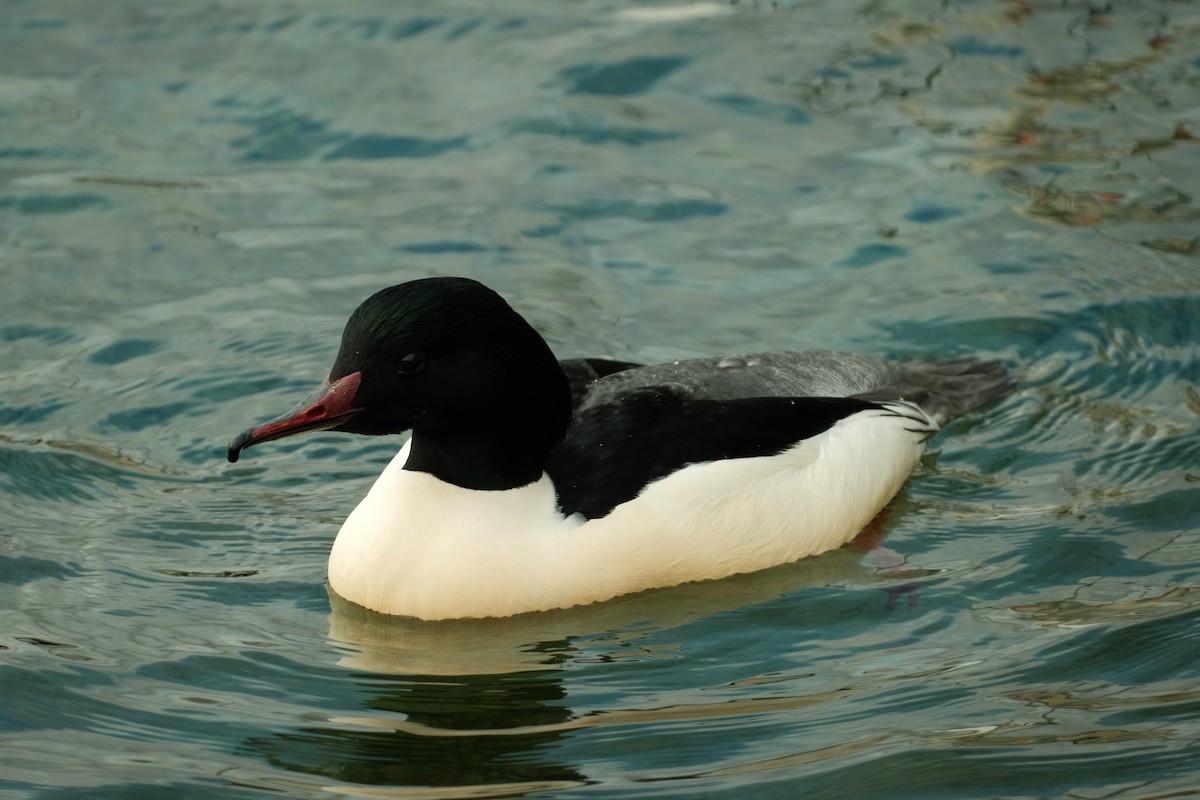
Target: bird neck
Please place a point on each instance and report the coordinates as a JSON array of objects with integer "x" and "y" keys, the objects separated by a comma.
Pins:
[
  {"x": 475, "y": 458},
  {"x": 505, "y": 440}
]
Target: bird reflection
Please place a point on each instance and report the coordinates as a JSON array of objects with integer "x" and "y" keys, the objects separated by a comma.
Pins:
[{"x": 480, "y": 708}]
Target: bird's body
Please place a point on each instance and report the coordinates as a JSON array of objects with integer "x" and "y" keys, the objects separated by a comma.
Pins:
[{"x": 531, "y": 484}]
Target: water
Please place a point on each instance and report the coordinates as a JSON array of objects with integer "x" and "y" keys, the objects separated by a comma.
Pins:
[{"x": 195, "y": 196}]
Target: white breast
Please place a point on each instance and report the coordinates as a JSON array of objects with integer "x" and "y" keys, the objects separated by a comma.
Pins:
[{"x": 419, "y": 547}]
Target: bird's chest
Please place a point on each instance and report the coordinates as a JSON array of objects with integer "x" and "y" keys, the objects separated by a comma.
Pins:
[{"x": 417, "y": 546}]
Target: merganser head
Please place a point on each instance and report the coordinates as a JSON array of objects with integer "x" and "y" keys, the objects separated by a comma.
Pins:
[{"x": 445, "y": 357}]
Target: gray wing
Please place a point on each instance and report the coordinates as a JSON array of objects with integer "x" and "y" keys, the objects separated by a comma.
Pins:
[
  {"x": 944, "y": 389},
  {"x": 582, "y": 374}
]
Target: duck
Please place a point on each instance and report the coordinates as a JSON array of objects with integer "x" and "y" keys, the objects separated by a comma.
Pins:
[{"x": 530, "y": 484}]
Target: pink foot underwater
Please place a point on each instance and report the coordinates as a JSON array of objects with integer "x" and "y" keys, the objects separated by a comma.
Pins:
[{"x": 886, "y": 561}]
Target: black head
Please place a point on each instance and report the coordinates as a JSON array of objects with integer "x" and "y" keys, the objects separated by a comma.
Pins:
[{"x": 451, "y": 360}]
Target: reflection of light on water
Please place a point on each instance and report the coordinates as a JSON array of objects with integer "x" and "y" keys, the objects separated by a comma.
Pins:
[
  {"x": 260, "y": 778},
  {"x": 673, "y": 13},
  {"x": 621, "y": 716},
  {"x": 549, "y": 640},
  {"x": 1076, "y": 614}
]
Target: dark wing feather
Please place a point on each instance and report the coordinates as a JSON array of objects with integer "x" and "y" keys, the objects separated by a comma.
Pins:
[{"x": 611, "y": 451}]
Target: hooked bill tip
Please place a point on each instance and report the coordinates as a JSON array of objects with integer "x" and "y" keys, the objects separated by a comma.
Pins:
[
  {"x": 329, "y": 406},
  {"x": 237, "y": 445}
]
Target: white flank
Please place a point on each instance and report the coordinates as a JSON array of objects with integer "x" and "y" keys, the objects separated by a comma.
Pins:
[{"x": 419, "y": 547}]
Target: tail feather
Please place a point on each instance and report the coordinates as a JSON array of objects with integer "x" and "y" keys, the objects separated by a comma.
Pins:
[{"x": 947, "y": 389}]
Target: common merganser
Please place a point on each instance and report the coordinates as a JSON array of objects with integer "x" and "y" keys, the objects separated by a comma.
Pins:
[{"x": 530, "y": 484}]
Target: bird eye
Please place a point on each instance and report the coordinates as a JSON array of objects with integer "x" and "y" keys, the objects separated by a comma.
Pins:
[{"x": 411, "y": 364}]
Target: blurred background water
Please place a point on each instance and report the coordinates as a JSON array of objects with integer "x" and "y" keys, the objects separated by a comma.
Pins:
[{"x": 194, "y": 195}]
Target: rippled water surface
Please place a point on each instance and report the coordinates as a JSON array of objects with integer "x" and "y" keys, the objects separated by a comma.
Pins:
[{"x": 194, "y": 196}]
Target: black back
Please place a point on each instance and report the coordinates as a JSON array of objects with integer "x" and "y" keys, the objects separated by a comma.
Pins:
[{"x": 612, "y": 451}]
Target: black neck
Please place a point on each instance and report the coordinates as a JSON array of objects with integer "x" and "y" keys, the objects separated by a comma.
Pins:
[
  {"x": 488, "y": 460},
  {"x": 502, "y": 449}
]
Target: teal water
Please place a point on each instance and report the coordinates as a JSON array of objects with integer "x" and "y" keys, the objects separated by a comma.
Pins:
[{"x": 194, "y": 196}]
